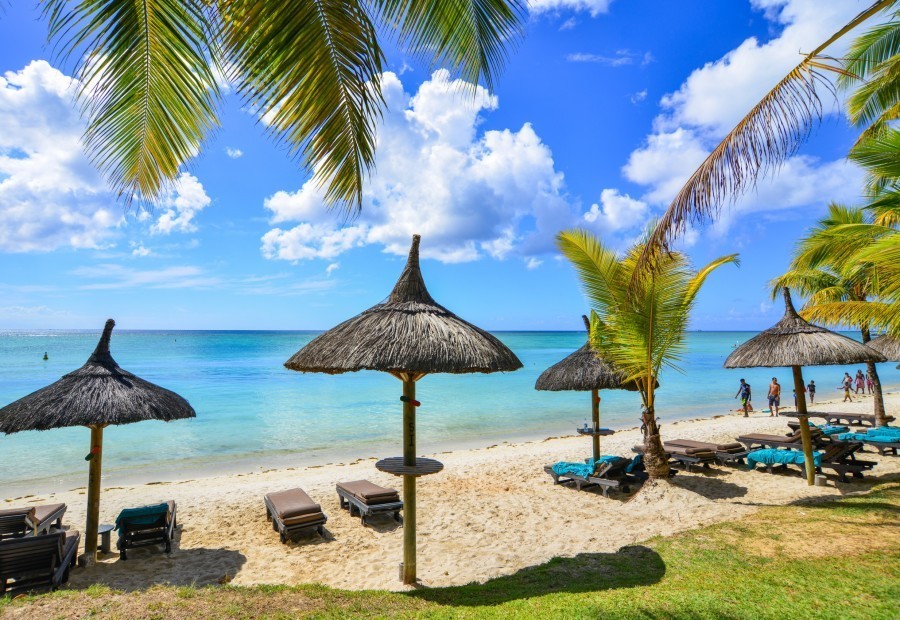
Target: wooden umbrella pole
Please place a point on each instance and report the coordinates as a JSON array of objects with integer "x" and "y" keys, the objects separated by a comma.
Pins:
[
  {"x": 93, "y": 509},
  {"x": 803, "y": 418},
  {"x": 409, "y": 482},
  {"x": 595, "y": 418}
]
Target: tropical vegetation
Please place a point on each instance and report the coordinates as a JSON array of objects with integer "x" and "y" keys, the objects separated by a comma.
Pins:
[
  {"x": 640, "y": 331},
  {"x": 152, "y": 75}
]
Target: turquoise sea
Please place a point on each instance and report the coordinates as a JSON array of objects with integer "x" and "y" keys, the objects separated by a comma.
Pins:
[{"x": 253, "y": 413}]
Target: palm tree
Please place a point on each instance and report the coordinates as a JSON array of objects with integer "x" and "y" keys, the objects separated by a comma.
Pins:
[
  {"x": 826, "y": 269},
  {"x": 775, "y": 127},
  {"x": 642, "y": 330},
  {"x": 309, "y": 68}
]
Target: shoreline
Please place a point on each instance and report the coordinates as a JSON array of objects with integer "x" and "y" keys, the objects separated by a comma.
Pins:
[
  {"x": 202, "y": 467},
  {"x": 472, "y": 519}
]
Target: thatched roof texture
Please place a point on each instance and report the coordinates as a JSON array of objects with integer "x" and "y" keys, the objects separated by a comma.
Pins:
[
  {"x": 794, "y": 342},
  {"x": 582, "y": 371},
  {"x": 888, "y": 346},
  {"x": 408, "y": 332},
  {"x": 97, "y": 393}
]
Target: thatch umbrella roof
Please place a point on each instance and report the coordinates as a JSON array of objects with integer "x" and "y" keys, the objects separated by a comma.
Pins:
[
  {"x": 100, "y": 392},
  {"x": 794, "y": 342},
  {"x": 408, "y": 332},
  {"x": 96, "y": 395},
  {"x": 888, "y": 346},
  {"x": 408, "y": 335}
]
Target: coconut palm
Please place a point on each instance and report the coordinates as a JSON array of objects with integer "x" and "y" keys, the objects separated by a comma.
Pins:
[
  {"x": 309, "y": 68},
  {"x": 775, "y": 127},
  {"x": 826, "y": 270},
  {"x": 642, "y": 330}
]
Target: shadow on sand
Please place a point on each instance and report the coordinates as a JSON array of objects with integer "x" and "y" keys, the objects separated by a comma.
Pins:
[{"x": 630, "y": 566}]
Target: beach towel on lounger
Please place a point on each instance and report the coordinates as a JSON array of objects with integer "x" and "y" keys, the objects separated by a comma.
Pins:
[
  {"x": 636, "y": 462},
  {"x": 144, "y": 515},
  {"x": 892, "y": 431},
  {"x": 584, "y": 470},
  {"x": 868, "y": 437},
  {"x": 770, "y": 456}
]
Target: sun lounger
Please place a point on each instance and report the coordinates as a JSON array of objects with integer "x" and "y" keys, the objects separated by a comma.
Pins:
[
  {"x": 840, "y": 456},
  {"x": 827, "y": 429},
  {"x": 37, "y": 561},
  {"x": 293, "y": 511},
  {"x": 884, "y": 444},
  {"x": 146, "y": 525},
  {"x": 369, "y": 499},
  {"x": 857, "y": 419},
  {"x": 684, "y": 456},
  {"x": 773, "y": 458},
  {"x": 725, "y": 453},
  {"x": 15, "y": 522},
  {"x": 607, "y": 473},
  {"x": 757, "y": 441}
]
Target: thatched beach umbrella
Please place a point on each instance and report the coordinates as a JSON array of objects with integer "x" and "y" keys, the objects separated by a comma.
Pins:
[
  {"x": 794, "y": 342},
  {"x": 96, "y": 395},
  {"x": 409, "y": 335},
  {"x": 888, "y": 346},
  {"x": 586, "y": 370}
]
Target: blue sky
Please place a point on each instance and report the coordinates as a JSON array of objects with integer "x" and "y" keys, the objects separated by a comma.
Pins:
[{"x": 604, "y": 109}]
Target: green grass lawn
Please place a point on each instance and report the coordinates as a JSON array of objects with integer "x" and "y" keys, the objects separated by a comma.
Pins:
[{"x": 835, "y": 559}]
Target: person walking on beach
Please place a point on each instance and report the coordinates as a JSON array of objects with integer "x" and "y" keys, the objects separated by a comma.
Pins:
[
  {"x": 860, "y": 382},
  {"x": 870, "y": 382},
  {"x": 811, "y": 389},
  {"x": 744, "y": 393},
  {"x": 774, "y": 397},
  {"x": 847, "y": 384}
]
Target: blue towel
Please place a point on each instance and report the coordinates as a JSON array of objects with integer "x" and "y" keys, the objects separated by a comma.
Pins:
[
  {"x": 770, "y": 456},
  {"x": 636, "y": 462},
  {"x": 829, "y": 429},
  {"x": 868, "y": 437},
  {"x": 584, "y": 470},
  {"x": 142, "y": 515},
  {"x": 884, "y": 430}
]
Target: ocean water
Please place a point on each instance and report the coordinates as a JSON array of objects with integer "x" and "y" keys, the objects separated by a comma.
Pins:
[{"x": 253, "y": 413}]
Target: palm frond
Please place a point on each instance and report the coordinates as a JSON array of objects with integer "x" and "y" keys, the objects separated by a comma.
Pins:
[
  {"x": 866, "y": 63},
  {"x": 878, "y": 155},
  {"x": 770, "y": 133},
  {"x": 859, "y": 314},
  {"x": 471, "y": 36},
  {"x": 311, "y": 70},
  {"x": 885, "y": 208},
  {"x": 149, "y": 93}
]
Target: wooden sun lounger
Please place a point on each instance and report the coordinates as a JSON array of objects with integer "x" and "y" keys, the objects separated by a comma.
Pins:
[
  {"x": 16, "y": 522},
  {"x": 686, "y": 457},
  {"x": 855, "y": 419},
  {"x": 292, "y": 512},
  {"x": 841, "y": 457},
  {"x": 725, "y": 453},
  {"x": 755, "y": 441},
  {"x": 160, "y": 531},
  {"x": 37, "y": 561},
  {"x": 369, "y": 499},
  {"x": 609, "y": 476}
]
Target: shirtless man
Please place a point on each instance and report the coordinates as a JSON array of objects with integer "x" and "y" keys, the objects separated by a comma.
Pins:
[{"x": 774, "y": 397}]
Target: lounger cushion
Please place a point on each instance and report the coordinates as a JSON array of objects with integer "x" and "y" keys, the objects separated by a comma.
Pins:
[
  {"x": 762, "y": 437},
  {"x": 42, "y": 513},
  {"x": 698, "y": 452},
  {"x": 369, "y": 492},
  {"x": 18, "y": 512},
  {"x": 706, "y": 445},
  {"x": 294, "y": 506}
]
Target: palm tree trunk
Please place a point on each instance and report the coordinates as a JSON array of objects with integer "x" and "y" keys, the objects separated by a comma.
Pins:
[
  {"x": 879, "y": 399},
  {"x": 655, "y": 461}
]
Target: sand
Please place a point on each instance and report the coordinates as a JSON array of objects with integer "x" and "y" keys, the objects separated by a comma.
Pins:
[{"x": 491, "y": 512}]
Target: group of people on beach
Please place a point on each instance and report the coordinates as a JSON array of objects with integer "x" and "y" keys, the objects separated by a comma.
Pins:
[{"x": 864, "y": 383}]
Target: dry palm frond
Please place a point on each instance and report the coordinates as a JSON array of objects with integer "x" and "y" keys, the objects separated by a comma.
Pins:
[{"x": 766, "y": 137}]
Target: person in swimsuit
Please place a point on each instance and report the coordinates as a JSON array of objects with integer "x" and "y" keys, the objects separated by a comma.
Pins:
[
  {"x": 744, "y": 393},
  {"x": 860, "y": 382},
  {"x": 811, "y": 390},
  {"x": 847, "y": 384},
  {"x": 774, "y": 397}
]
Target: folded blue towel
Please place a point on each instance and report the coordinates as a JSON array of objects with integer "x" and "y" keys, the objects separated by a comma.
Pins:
[
  {"x": 142, "y": 515},
  {"x": 829, "y": 429},
  {"x": 636, "y": 462},
  {"x": 771, "y": 456}
]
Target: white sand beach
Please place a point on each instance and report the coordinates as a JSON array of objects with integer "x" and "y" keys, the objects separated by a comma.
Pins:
[{"x": 491, "y": 512}]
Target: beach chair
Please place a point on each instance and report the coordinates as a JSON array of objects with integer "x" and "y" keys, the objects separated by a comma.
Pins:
[
  {"x": 292, "y": 512},
  {"x": 37, "y": 561},
  {"x": 725, "y": 453},
  {"x": 146, "y": 525},
  {"x": 369, "y": 499},
  {"x": 16, "y": 522},
  {"x": 773, "y": 458},
  {"x": 855, "y": 419},
  {"x": 684, "y": 456},
  {"x": 885, "y": 444},
  {"x": 827, "y": 429},
  {"x": 840, "y": 456},
  {"x": 757, "y": 441},
  {"x": 607, "y": 473}
]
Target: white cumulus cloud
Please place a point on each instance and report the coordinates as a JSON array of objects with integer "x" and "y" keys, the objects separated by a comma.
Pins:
[
  {"x": 233, "y": 153},
  {"x": 181, "y": 203},
  {"x": 594, "y": 7}
]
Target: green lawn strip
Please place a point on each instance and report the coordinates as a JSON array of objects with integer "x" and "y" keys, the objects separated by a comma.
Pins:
[{"x": 832, "y": 559}]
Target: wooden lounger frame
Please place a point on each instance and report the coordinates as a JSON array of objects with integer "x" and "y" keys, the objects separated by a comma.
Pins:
[
  {"x": 599, "y": 480},
  {"x": 364, "y": 510},
  {"x": 37, "y": 561},
  {"x": 685, "y": 460},
  {"x": 847, "y": 419},
  {"x": 16, "y": 526},
  {"x": 842, "y": 460},
  {"x": 286, "y": 532},
  {"x": 160, "y": 532}
]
